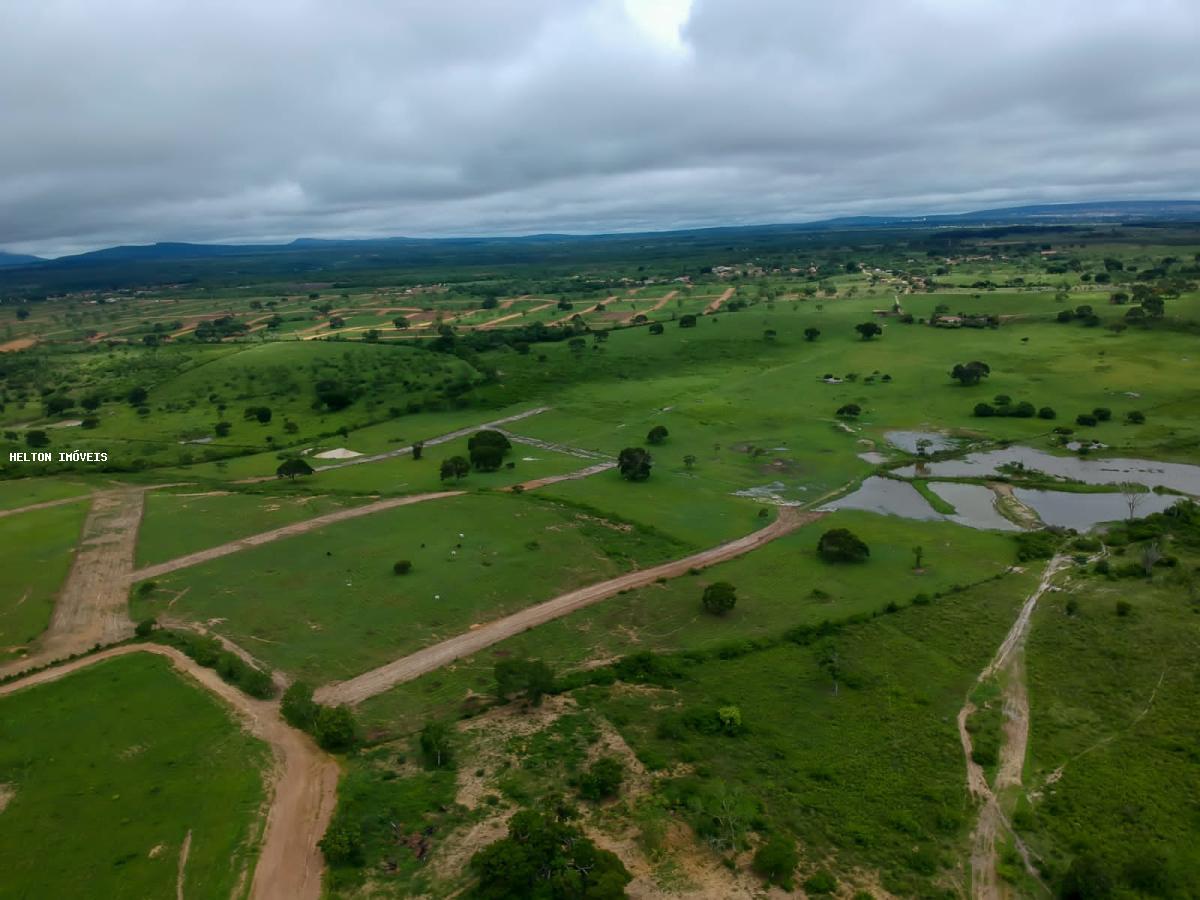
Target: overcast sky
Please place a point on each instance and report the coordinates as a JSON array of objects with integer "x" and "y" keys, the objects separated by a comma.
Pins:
[{"x": 131, "y": 121}]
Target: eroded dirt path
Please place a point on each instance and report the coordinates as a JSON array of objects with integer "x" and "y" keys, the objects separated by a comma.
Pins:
[
  {"x": 91, "y": 606},
  {"x": 716, "y": 304},
  {"x": 1008, "y": 667},
  {"x": 569, "y": 476},
  {"x": 302, "y": 785},
  {"x": 275, "y": 534},
  {"x": 658, "y": 304},
  {"x": 376, "y": 681}
]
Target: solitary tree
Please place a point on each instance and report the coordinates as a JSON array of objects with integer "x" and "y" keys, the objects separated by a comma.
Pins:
[
  {"x": 1132, "y": 495},
  {"x": 656, "y": 328},
  {"x": 400, "y": 322},
  {"x": 657, "y": 434},
  {"x": 719, "y": 598},
  {"x": 454, "y": 467},
  {"x": 849, "y": 411},
  {"x": 436, "y": 744},
  {"x": 418, "y": 448},
  {"x": 970, "y": 373},
  {"x": 634, "y": 463},
  {"x": 688, "y": 461},
  {"x": 811, "y": 334},
  {"x": 688, "y": 321},
  {"x": 842, "y": 545},
  {"x": 868, "y": 330},
  {"x": 292, "y": 467},
  {"x": 918, "y": 555}
]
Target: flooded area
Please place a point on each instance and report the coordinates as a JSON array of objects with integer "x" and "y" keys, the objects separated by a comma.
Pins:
[
  {"x": 1085, "y": 511},
  {"x": 889, "y": 497},
  {"x": 1177, "y": 476},
  {"x": 975, "y": 505},
  {"x": 873, "y": 456},
  {"x": 913, "y": 441}
]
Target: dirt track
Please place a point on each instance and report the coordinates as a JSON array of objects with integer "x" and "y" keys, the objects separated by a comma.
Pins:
[
  {"x": 45, "y": 505},
  {"x": 1009, "y": 661},
  {"x": 716, "y": 304},
  {"x": 569, "y": 476},
  {"x": 303, "y": 790},
  {"x": 91, "y": 607},
  {"x": 357, "y": 689},
  {"x": 265, "y": 537},
  {"x": 658, "y": 304}
]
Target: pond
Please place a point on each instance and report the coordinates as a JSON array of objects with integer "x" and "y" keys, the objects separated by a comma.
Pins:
[
  {"x": 975, "y": 505},
  {"x": 889, "y": 497},
  {"x": 1085, "y": 511},
  {"x": 1177, "y": 476}
]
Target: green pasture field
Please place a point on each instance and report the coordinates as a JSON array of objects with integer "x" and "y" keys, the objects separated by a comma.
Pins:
[
  {"x": 780, "y": 586},
  {"x": 181, "y": 521},
  {"x": 28, "y": 491},
  {"x": 36, "y": 551},
  {"x": 1115, "y": 714},
  {"x": 109, "y": 770},
  {"x": 326, "y": 605}
]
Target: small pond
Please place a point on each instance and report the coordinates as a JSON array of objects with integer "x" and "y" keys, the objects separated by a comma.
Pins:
[
  {"x": 975, "y": 505},
  {"x": 889, "y": 497},
  {"x": 1085, "y": 511}
]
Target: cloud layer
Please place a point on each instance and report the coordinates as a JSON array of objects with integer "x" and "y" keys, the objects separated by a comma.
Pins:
[{"x": 143, "y": 120}]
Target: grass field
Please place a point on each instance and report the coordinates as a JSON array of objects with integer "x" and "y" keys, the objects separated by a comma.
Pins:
[
  {"x": 27, "y": 491},
  {"x": 1115, "y": 718},
  {"x": 109, "y": 770},
  {"x": 214, "y": 519},
  {"x": 326, "y": 605},
  {"x": 36, "y": 551}
]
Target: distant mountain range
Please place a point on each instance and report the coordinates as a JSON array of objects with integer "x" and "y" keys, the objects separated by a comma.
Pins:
[
  {"x": 1125, "y": 211},
  {"x": 18, "y": 259}
]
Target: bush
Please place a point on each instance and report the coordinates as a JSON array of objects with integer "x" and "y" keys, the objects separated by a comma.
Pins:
[
  {"x": 342, "y": 845},
  {"x": 1102, "y": 413},
  {"x": 402, "y": 567},
  {"x": 984, "y": 410},
  {"x": 602, "y": 780},
  {"x": 849, "y": 411},
  {"x": 1124, "y": 608},
  {"x": 776, "y": 861},
  {"x": 335, "y": 728},
  {"x": 821, "y": 882},
  {"x": 1085, "y": 419},
  {"x": 297, "y": 706},
  {"x": 1036, "y": 545},
  {"x": 145, "y": 627},
  {"x": 1134, "y": 417},
  {"x": 842, "y": 545},
  {"x": 1047, "y": 412},
  {"x": 719, "y": 598},
  {"x": 656, "y": 328}
]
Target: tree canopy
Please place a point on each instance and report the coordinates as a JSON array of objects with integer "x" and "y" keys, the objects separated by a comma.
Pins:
[
  {"x": 842, "y": 545},
  {"x": 634, "y": 463},
  {"x": 970, "y": 373},
  {"x": 292, "y": 467}
]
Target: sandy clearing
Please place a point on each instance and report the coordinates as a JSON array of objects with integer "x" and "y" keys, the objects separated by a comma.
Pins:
[
  {"x": 275, "y": 534},
  {"x": 993, "y": 822},
  {"x": 338, "y": 453},
  {"x": 7, "y": 792},
  {"x": 716, "y": 304},
  {"x": 303, "y": 788},
  {"x": 45, "y": 505},
  {"x": 376, "y": 681},
  {"x": 17, "y": 344}
]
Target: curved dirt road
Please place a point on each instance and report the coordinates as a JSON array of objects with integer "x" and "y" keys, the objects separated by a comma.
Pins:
[
  {"x": 376, "y": 681},
  {"x": 303, "y": 790},
  {"x": 275, "y": 534},
  {"x": 716, "y": 304}
]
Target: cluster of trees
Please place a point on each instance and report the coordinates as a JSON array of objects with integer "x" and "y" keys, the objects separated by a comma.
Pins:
[
  {"x": 530, "y": 679},
  {"x": 487, "y": 449},
  {"x": 970, "y": 373},
  {"x": 1003, "y": 406},
  {"x": 333, "y": 727},
  {"x": 218, "y": 329}
]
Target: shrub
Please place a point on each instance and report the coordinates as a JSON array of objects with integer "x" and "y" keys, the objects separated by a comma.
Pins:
[
  {"x": 1124, "y": 608},
  {"x": 297, "y": 706},
  {"x": 1102, "y": 413},
  {"x": 1036, "y": 545},
  {"x": 1134, "y": 417},
  {"x": 342, "y": 845},
  {"x": 402, "y": 567},
  {"x": 821, "y": 882},
  {"x": 776, "y": 861},
  {"x": 602, "y": 780},
  {"x": 1085, "y": 419},
  {"x": 335, "y": 728},
  {"x": 719, "y": 598},
  {"x": 145, "y": 627},
  {"x": 1047, "y": 412}
]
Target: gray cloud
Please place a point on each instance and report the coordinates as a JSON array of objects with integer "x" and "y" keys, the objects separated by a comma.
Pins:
[{"x": 142, "y": 120}]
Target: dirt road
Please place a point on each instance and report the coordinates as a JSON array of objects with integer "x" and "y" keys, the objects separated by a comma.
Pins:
[
  {"x": 302, "y": 785},
  {"x": 488, "y": 326},
  {"x": 275, "y": 534},
  {"x": 555, "y": 447},
  {"x": 993, "y": 823},
  {"x": 716, "y": 304},
  {"x": 44, "y": 505},
  {"x": 569, "y": 476},
  {"x": 91, "y": 607},
  {"x": 357, "y": 689},
  {"x": 658, "y": 304}
]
